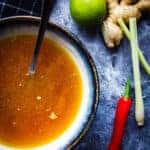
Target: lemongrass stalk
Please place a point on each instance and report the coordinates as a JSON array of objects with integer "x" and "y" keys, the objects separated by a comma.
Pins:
[
  {"x": 140, "y": 54},
  {"x": 143, "y": 61},
  {"x": 124, "y": 28},
  {"x": 139, "y": 105}
]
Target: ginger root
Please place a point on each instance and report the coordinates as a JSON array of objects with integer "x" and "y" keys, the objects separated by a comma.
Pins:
[{"x": 124, "y": 9}]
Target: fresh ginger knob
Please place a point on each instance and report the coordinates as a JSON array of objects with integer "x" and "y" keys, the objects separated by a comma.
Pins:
[{"x": 124, "y": 9}]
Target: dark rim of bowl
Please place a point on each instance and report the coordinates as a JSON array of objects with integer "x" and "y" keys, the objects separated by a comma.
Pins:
[{"x": 89, "y": 58}]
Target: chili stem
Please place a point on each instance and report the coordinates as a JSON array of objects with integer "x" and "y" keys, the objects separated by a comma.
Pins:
[
  {"x": 127, "y": 90},
  {"x": 139, "y": 106},
  {"x": 140, "y": 54}
]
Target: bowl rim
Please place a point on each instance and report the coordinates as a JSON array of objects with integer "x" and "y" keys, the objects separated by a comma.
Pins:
[{"x": 75, "y": 39}]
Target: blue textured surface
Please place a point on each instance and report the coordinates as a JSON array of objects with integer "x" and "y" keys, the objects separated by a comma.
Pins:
[{"x": 113, "y": 69}]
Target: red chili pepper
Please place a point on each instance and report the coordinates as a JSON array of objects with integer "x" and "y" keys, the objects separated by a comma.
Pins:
[{"x": 123, "y": 108}]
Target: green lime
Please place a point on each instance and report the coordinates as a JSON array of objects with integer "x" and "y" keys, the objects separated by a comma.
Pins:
[{"x": 87, "y": 12}]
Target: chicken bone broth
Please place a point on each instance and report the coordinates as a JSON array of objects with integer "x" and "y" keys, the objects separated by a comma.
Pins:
[{"x": 36, "y": 110}]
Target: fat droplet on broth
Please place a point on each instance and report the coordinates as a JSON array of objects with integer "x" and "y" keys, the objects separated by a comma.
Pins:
[
  {"x": 14, "y": 123},
  {"x": 42, "y": 77},
  {"x": 18, "y": 109},
  {"x": 20, "y": 84},
  {"x": 53, "y": 116},
  {"x": 38, "y": 97},
  {"x": 48, "y": 109},
  {"x": 27, "y": 74}
]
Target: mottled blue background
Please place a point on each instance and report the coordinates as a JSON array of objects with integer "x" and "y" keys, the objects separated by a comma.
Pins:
[{"x": 113, "y": 66}]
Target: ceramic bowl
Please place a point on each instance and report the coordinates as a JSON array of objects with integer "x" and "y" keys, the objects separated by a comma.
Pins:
[{"x": 28, "y": 25}]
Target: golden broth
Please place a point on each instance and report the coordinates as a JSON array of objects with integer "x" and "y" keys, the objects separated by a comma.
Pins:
[{"x": 36, "y": 110}]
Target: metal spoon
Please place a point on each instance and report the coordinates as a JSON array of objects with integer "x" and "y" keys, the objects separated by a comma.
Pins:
[{"x": 46, "y": 9}]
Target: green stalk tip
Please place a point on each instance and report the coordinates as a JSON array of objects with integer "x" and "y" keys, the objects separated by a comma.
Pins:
[{"x": 127, "y": 89}]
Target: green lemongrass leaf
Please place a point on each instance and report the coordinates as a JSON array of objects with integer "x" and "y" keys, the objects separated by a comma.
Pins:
[
  {"x": 124, "y": 28},
  {"x": 139, "y": 108},
  {"x": 143, "y": 61},
  {"x": 126, "y": 31}
]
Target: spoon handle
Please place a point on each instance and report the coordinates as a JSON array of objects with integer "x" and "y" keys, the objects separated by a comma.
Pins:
[{"x": 46, "y": 9}]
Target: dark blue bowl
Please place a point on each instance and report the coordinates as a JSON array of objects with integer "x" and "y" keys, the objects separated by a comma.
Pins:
[{"x": 29, "y": 25}]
